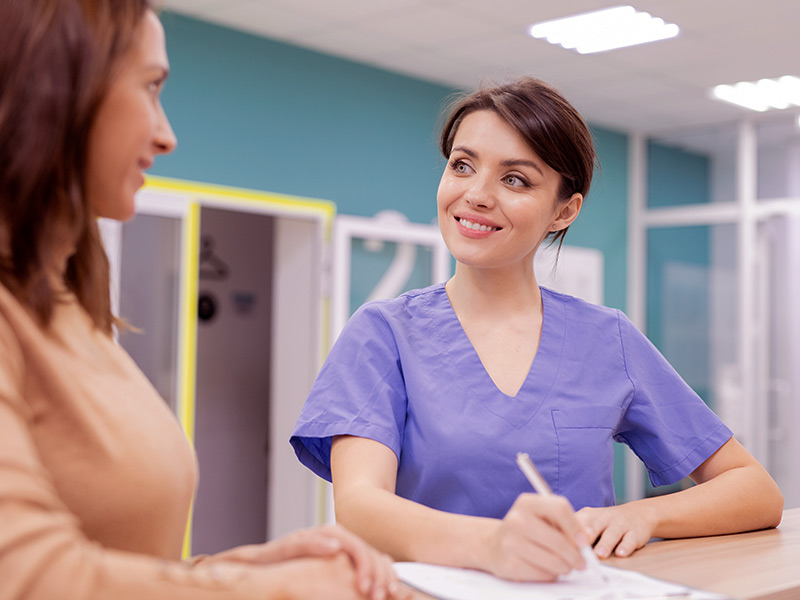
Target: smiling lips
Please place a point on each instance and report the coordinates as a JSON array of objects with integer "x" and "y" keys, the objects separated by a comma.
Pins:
[{"x": 477, "y": 227}]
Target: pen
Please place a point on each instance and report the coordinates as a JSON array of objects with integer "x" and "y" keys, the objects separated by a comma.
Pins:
[{"x": 540, "y": 485}]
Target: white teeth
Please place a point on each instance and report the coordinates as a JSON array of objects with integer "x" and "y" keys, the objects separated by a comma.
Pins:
[{"x": 476, "y": 226}]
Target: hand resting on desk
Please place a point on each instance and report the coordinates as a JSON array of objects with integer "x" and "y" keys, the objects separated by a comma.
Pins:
[
  {"x": 734, "y": 493},
  {"x": 620, "y": 530},
  {"x": 373, "y": 570}
]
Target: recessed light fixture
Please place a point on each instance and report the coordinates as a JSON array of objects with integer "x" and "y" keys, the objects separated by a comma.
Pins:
[
  {"x": 606, "y": 29},
  {"x": 762, "y": 95}
]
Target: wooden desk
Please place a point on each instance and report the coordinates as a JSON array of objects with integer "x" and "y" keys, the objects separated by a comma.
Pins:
[{"x": 760, "y": 565}]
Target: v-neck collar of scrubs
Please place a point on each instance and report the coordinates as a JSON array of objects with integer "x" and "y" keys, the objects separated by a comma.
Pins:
[{"x": 521, "y": 408}]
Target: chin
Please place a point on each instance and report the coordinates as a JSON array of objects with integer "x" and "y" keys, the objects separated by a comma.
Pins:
[
  {"x": 127, "y": 214},
  {"x": 123, "y": 211},
  {"x": 125, "y": 206}
]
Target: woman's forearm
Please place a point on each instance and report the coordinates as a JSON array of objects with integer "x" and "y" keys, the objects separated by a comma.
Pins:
[
  {"x": 740, "y": 499},
  {"x": 409, "y": 531},
  {"x": 537, "y": 540}
]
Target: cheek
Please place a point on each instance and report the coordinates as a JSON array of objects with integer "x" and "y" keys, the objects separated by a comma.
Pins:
[
  {"x": 446, "y": 192},
  {"x": 442, "y": 202},
  {"x": 151, "y": 113}
]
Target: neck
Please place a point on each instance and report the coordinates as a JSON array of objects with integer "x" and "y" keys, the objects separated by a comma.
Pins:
[{"x": 494, "y": 291}]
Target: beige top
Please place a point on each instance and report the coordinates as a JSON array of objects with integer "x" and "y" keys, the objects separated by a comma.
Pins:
[{"x": 96, "y": 476}]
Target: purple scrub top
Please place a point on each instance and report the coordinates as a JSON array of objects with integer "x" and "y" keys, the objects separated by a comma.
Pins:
[{"x": 404, "y": 373}]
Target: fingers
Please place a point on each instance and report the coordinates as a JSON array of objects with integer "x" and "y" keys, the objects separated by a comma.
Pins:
[
  {"x": 607, "y": 542},
  {"x": 317, "y": 543},
  {"x": 563, "y": 518},
  {"x": 586, "y": 517},
  {"x": 375, "y": 576},
  {"x": 539, "y": 539},
  {"x": 603, "y": 529},
  {"x": 627, "y": 545},
  {"x": 300, "y": 544},
  {"x": 370, "y": 574},
  {"x": 378, "y": 580},
  {"x": 619, "y": 541},
  {"x": 618, "y": 530},
  {"x": 565, "y": 534}
]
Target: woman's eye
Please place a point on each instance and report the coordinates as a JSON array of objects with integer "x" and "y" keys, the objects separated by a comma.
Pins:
[
  {"x": 460, "y": 167},
  {"x": 514, "y": 180},
  {"x": 154, "y": 87}
]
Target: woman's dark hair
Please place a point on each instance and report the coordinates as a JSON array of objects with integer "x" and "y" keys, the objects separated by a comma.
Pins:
[
  {"x": 549, "y": 124},
  {"x": 57, "y": 58}
]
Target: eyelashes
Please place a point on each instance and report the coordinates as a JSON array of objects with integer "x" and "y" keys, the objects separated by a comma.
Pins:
[{"x": 460, "y": 167}]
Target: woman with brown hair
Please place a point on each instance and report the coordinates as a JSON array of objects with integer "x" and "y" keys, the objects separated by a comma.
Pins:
[
  {"x": 96, "y": 477},
  {"x": 426, "y": 399}
]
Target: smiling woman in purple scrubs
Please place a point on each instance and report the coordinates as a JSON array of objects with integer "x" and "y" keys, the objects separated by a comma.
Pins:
[{"x": 424, "y": 400}]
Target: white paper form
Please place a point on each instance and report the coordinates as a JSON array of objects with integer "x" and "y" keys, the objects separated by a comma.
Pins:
[{"x": 449, "y": 583}]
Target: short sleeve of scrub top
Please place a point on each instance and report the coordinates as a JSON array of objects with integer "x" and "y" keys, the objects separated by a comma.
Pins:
[
  {"x": 666, "y": 424},
  {"x": 404, "y": 373},
  {"x": 359, "y": 391}
]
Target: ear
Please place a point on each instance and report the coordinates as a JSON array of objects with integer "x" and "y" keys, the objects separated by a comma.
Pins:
[{"x": 567, "y": 212}]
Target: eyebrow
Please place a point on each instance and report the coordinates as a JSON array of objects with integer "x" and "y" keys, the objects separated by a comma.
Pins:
[
  {"x": 522, "y": 162},
  {"x": 159, "y": 67},
  {"x": 511, "y": 162}
]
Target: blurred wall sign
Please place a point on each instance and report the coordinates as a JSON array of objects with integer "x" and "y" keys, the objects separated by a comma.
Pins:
[{"x": 243, "y": 302}]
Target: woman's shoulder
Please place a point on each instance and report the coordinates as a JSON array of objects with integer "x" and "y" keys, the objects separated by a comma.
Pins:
[
  {"x": 409, "y": 304},
  {"x": 578, "y": 307},
  {"x": 600, "y": 325}
]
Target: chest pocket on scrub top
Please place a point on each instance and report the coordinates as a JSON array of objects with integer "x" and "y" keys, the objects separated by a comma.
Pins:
[{"x": 584, "y": 435}]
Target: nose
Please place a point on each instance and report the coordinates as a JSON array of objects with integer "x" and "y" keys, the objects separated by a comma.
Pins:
[
  {"x": 480, "y": 192},
  {"x": 164, "y": 140}
]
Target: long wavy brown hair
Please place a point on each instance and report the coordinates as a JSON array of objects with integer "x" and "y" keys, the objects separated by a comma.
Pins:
[{"x": 57, "y": 59}]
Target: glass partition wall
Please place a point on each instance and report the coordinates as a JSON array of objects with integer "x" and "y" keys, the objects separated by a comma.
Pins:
[{"x": 714, "y": 271}]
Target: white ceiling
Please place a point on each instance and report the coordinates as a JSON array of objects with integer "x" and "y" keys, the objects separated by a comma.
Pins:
[{"x": 653, "y": 87}]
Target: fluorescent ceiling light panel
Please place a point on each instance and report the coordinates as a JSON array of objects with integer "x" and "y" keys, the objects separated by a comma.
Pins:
[
  {"x": 761, "y": 95},
  {"x": 605, "y": 29}
]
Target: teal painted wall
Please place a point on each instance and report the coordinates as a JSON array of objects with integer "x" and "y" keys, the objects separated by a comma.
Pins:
[{"x": 676, "y": 176}]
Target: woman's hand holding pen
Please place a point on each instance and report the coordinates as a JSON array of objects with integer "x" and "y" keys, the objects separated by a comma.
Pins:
[
  {"x": 538, "y": 540},
  {"x": 618, "y": 530}
]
